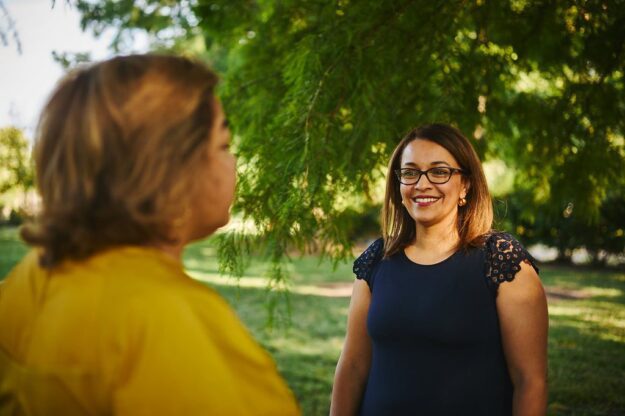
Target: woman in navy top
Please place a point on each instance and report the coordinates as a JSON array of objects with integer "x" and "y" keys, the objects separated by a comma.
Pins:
[{"x": 447, "y": 317}]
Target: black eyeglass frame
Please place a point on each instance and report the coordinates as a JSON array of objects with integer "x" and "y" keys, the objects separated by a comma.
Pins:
[{"x": 427, "y": 174}]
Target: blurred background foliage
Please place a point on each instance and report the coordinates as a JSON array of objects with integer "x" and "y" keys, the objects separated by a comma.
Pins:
[
  {"x": 16, "y": 177},
  {"x": 319, "y": 92}
]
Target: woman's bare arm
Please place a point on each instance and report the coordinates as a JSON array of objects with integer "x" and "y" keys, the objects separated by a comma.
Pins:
[
  {"x": 523, "y": 317},
  {"x": 352, "y": 369}
]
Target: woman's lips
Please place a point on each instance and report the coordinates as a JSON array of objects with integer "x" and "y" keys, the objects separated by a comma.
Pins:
[{"x": 425, "y": 201}]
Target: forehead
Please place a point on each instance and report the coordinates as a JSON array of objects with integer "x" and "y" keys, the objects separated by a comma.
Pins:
[{"x": 422, "y": 152}]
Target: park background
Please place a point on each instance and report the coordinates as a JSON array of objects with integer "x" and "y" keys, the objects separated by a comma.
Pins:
[{"x": 319, "y": 92}]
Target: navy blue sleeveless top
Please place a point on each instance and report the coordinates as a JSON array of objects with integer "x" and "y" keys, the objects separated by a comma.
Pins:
[{"x": 436, "y": 343}]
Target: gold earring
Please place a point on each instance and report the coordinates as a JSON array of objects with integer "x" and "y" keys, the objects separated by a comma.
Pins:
[{"x": 462, "y": 202}]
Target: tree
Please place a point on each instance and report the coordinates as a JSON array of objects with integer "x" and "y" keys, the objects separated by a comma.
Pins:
[
  {"x": 8, "y": 32},
  {"x": 16, "y": 168},
  {"x": 567, "y": 230},
  {"x": 319, "y": 92}
]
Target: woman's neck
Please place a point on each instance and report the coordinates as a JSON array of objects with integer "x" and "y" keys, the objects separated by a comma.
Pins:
[
  {"x": 438, "y": 238},
  {"x": 173, "y": 251},
  {"x": 178, "y": 241}
]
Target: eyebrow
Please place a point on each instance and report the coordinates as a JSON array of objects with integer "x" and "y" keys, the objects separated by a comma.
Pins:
[{"x": 438, "y": 162}]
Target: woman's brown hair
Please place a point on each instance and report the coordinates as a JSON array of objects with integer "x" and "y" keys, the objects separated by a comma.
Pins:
[
  {"x": 474, "y": 219},
  {"x": 114, "y": 151}
]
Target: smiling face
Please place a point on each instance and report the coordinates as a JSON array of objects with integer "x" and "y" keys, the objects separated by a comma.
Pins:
[{"x": 427, "y": 203}]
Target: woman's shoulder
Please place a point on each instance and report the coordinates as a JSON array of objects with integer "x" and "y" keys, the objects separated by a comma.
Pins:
[
  {"x": 501, "y": 243},
  {"x": 24, "y": 283},
  {"x": 503, "y": 257},
  {"x": 365, "y": 264},
  {"x": 137, "y": 285}
]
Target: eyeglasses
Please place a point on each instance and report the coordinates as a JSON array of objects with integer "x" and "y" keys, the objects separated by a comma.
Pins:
[{"x": 437, "y": 175}]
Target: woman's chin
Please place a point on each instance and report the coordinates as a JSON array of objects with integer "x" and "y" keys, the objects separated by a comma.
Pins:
[{"x": 209, "y": 229}]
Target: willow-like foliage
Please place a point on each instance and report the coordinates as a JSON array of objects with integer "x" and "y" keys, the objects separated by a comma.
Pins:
[{"x": 319, "y": 92}]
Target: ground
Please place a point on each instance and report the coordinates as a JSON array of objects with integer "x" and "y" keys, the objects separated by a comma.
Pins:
[{"x": 586, "y": 315}]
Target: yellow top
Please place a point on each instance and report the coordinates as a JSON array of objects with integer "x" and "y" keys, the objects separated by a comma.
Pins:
[{"x": 127, "y": 332}]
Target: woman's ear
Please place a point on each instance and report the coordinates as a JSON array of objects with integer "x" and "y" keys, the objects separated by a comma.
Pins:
[{"x": 466, "y": 185}]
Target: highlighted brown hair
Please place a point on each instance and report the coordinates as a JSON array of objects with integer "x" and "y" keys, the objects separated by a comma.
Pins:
[
  {"x": 474, "y": 219},
  {"x": 115, "y": 149}
]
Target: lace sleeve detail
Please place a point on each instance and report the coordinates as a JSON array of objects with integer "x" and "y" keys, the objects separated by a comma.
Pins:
[
  {"x": 366, "y": 262},
  {"x": 504, "y": 255}
]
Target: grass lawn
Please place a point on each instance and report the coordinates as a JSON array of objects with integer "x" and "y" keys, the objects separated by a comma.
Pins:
[{"x": 586, "y": 344}]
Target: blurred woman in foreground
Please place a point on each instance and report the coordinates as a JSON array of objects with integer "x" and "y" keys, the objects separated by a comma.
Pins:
[{"x": 133, "y": 163}]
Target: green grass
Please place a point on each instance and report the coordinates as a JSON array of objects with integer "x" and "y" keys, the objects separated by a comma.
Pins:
[
  {"x": 586, "y": 343},
  {"x": 11, "y": 250}
]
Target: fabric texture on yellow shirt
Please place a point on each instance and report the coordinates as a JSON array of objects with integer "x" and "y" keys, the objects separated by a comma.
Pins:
[{"x": 127, "y": 332}]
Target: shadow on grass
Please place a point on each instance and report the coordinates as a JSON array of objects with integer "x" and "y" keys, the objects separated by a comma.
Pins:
[
  {"x": 586, "y": 367},
  {"x": 600, "y": 286},
  {"x": 586, "y": 342}
]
